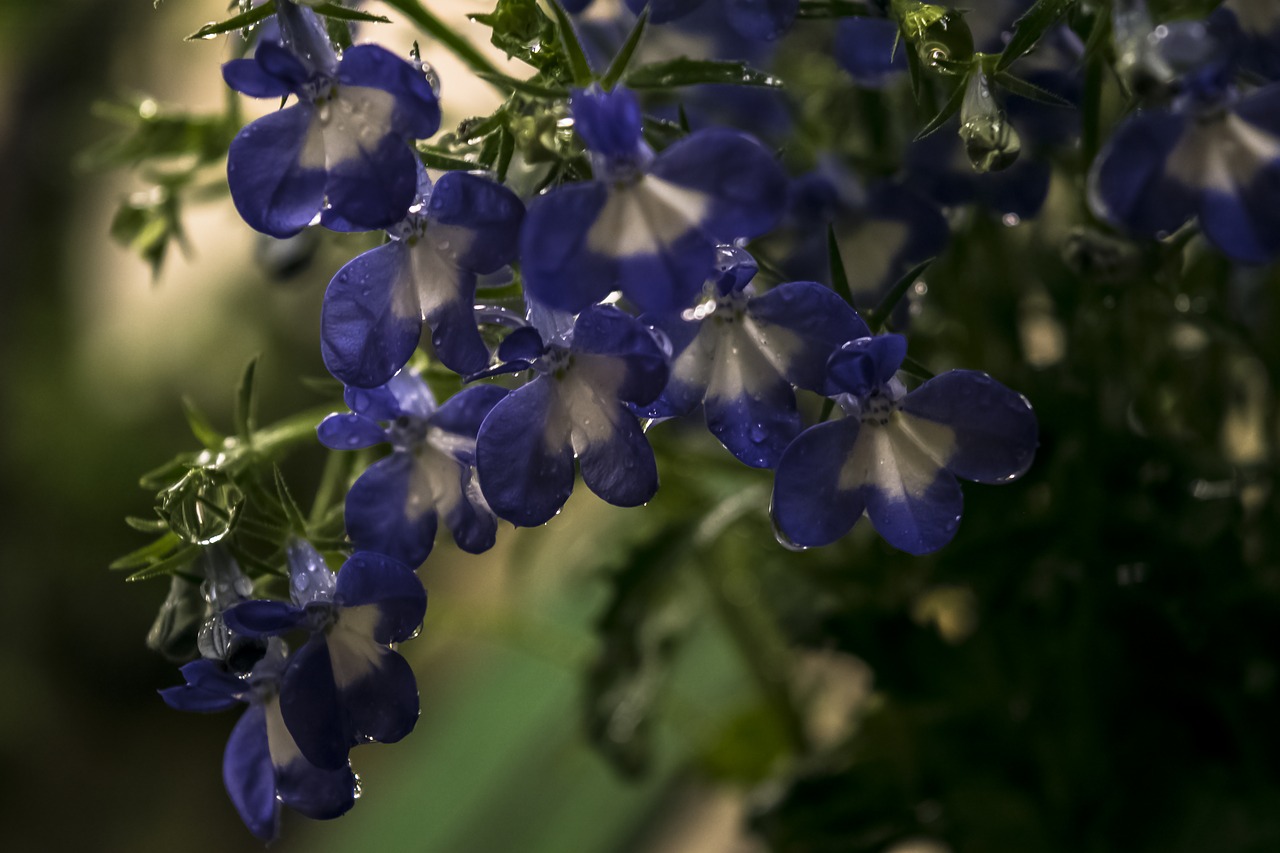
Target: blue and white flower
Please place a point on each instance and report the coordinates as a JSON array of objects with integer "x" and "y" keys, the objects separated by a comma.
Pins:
[
  {"x": 465, "y": 226},
  {"x": 578, "y": 404},
  {"x": 262, "y": 766},
  {"x": 345, "y": 140},
  {"x": 648, "y": 224},
  {"x": 896, "y": 456},
  {"x": 347, "y": 685},
  {"x": 394, "y": 507},
  {"x": 1213, "y": 155},
  {"x": 739, "y": 354}
]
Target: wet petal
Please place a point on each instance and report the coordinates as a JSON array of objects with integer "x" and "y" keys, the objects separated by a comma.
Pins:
[
  {"x": 417, "y": 110},
  {"x": 464, "y": 412},
  {"x": 608, "y": 122},
  {"x": 603, "y": 330},
  {"x": 559, "y": 269},
  {"x": 1128, "y": 184},
  {"x": 865, "y": 47},
  {"x": 490, "y": 212},
  {"x": 862, "y": 365},
  {"x": 371, "y": 178},
  {"x": 390, "y": 596},
  {"x": 810, "y": 505},
  {"x": 309, "y": 790},
  {"x": 745, "y": 186},
  {"x": 755, "y": 425},
  {"x": 524, "y": 457},
  {"x": 995, "y": 430},
  {"x": 617, "y": 461},
  {"x": 473, "y": 525},
  {"x": 248, "y": 77},
  {"x": 387, "y": 512},
  {"x": 274, "y": 191},
  {"x": 799, "y": 325},
  {"x": 310, "y": 707},
  {"x": 263, "y": 618},
  {"x": 370, "y": 321},
  {"x": 693, "y": 349},
  {"x": 350, "y": 432},
  {"x": 378, "y": 691},
  {"x": 249, "y": 777}
]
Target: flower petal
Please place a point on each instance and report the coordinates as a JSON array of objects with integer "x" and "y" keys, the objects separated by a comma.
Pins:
[
  {"x": 559, "y": 269},
  {"x": 274, "y": 191},
  {"x": 464, "y": 412},
  {"x": 350, "y": 432},
  {"x": 799, "y": 325},
  {"x": 387, "y": 511},
  {"x": 370, "y": 321},
  {"x": 396, "y": 597},
  {"x": 417, "y": 109},
  {"x": 764, "y": 20},
  {"x": 523, "y": 455},
  {"x": 617, "y": 461},
  {"x": 490, "y": 212},
  {"x": 605, "y": 331},
  {"x": 248, "y": 774},
  {"x": 310, "y": 706},
  {"x": 263, "y": 617},
  {"x": 810, "y": 505},
  {"x": 309, "y": 790}
]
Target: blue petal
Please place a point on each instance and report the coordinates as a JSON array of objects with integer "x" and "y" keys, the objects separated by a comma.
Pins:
[
  {"x": 310, "y": 706},
  {"x": 620, "y": 469},
  {"x": 814, "y": 323},
  {"x": 661, "y": 11},
  {"x": 918, "y": 524},
  {"x": 1127, "y": 183},
  {"x": 280, "y": 63},
  {"x": 454, "y": 332},
  {"x": 608, "y": 122},
  {"x": 860, "y": 366},
  {"x": 474, "y": 527},
  {"x": 369, "y": 579},
  {"x": 559, "y": 269},
  {"x": 764, "y": 20},
  {"x": 866, "y": 48},
  {"x": 995, "y": 429},
  {"x": 247, "y": 76},
  {"x": 491, "y": 212},
  {"x": 755, "y": 427},
  {"x": 671, "y": 277},
  {"x": 809, "y": 506},
  {"x": 309, "y": 790},
  {"x": 523, "y": 344},
  {"x": 272, "y": 192},
  {"x": 249, "y": 776},
  {"x": 187, "y": 697},
  {"x": 374, "y": 187},
  {"x": 693, "y": 344},
  {"x": 525, "y": 463},
  {"x": 746, "y": 186},
  {"x": 417, "y": 112},
  {"x": 263, "y": 618},
  {"x": 370, "y": 321},
  {"x": 1245, "y": 225},
  {"x": 380, "y": 515},
  {"x": 603, "y": 330},
  {"x": 350, "y": 432},
  {"x": 464, "y": 412},
  {"x": 383, "y": 705}
]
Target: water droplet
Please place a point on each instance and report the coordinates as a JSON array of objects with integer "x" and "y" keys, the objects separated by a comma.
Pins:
[
  {"x": 356, "y": 790},
  {"x": 783, "y": 539}
]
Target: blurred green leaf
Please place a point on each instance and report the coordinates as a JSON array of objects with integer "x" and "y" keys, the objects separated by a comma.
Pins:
[
  {"x": 238, "y": 22},
  {"x": 626, "y": 53},
  {"x": 1031, "y": 27},
  {"x": 683, "y": 71}
]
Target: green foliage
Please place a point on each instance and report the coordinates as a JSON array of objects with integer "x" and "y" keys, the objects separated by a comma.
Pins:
[{"x": 683, "y": 71}]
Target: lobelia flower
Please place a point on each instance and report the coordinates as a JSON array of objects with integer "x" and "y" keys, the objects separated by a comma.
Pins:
[
  {"x": 345, "y": 141},
  {"x": 262, "y": 766},
  {"x": 1214, "y": 155},
  {"x": 464, "y": 226},
  {"x": 739, "y": 355},
  {"x": 867, "y": 48},
  {"x": 346, "y": 685},
  {"x": 576, "y": 404},
  {"x": 1259, "y": 26},
  {"x": 648, "y": 224},
  {"x": 896, "y": 455},
  {"x": 393, "y": 508}
]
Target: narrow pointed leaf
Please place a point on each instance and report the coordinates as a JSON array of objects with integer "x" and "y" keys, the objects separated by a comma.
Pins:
[
  {"x": 620, "y": 62},
  {"x": 245, "y": 401},
  {"x": 342, "y": 13},
  {"x": 239, "y": 22},
  {"x": 201, "y": 428},
  {"x": 950, "y": 108},
  {"x": 434, "y": 158},
  {"x": 839, "y": 278},
  {"x": 691, "y": 72},
  {"x": 291, "y": 509},
  {"x": 579, "y": 68},
  {"x": 529, "y": 87},
  {"x": 168, "y": 565},
  {"x": 882, "y": 311},
  {"x": 1029, "y": 29},
  {"x": 1022, "y": 88},
  {"x": 147, "y": 553},
  {"x": 146, "y": 525}
]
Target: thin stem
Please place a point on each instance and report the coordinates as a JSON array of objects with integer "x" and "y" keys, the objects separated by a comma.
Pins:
[
  {"x": 441, "y": 32},
  {"x": 333, "y": 481}
]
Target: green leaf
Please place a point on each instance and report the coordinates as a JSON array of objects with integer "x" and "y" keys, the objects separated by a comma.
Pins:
[
  {"x": 528, "y": 87},
  {"x": 245, "y": 417},
  {"x": 168, "y": 565},
  {"x": 882, "y": 311},
  {"x": 506, "y": 150},
  {"x": 148, "y": 553},
  {"x": 623, "y": 60},
  {"x": 291, "y": 509},
  {"x": 690, "y": 72},
  {"x": 579, "y": 68},
  {"x": 839, "y": 278},
  {"x": 1028, "y": 29},
  {"x": 916, "y": 369},
  {"x": 342, "y": 13},
  {"x": 443, "y": 33},
  {"x": 950, "y": 108},
  {"x": 146, "y": 525},
  {"x": 521, "y": 30},
  {"x": 434, "y": 158},
  {"x": 201, "y": 428},
  {"x": 239, "y": 22},
  {"x": 168, "y": 473},
  {"x": 1030, "y": 91}
]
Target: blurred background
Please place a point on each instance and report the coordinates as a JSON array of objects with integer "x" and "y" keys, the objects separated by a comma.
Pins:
[{"x": 1091, "y": 666}]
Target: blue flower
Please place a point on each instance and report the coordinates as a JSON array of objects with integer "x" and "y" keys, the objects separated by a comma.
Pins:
[
  {"x": 577, "y": 404},
  {"x": 394, "y": 506},
  {"x": 347, "y": 685},
  {"x": 647, "y": 225},
  {"x": 1259, "y": 26},
  {"x": 375, "y": 307},
  {"x": 1213, "y": 155},
  {"x": 344, "y": 141},
  {"x": 868, "y": 49},
  {"x": 223, "y": 587},
  {"x": 896, "y": 456},
  {"x": 262, "y": 766},
  {"x": 740, "y": 354}
]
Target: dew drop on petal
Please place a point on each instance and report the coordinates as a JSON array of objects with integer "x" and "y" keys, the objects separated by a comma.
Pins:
[{"x": 783, "y": 539}]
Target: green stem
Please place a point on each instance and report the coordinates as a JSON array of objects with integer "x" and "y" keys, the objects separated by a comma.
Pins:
[
  {"x": 441, "y": 32},
  {"x": 333, "y": 482},
  {"x": 277, "y": 438}
]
